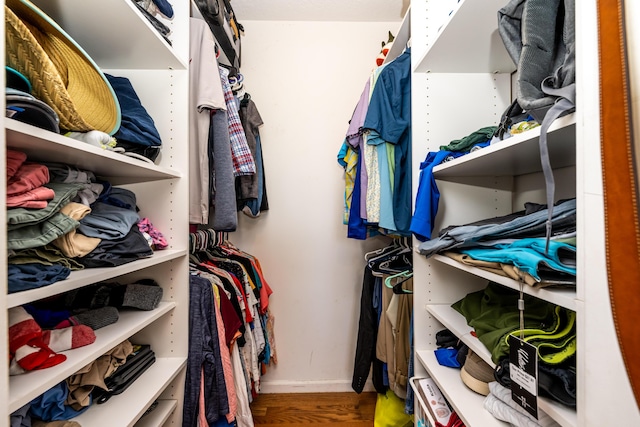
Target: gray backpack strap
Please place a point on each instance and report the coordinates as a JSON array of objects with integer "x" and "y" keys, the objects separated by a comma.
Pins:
[{"x": 565, "y": 104}]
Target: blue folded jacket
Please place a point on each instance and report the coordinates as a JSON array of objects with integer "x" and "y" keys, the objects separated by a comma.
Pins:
[{"x": 137, "y": 126}]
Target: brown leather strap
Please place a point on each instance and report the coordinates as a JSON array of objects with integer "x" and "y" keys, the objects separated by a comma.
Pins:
[{"x": 620, "y": 179}]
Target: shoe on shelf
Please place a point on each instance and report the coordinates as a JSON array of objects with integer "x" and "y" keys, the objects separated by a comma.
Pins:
[{"x": 476, "y": 374}]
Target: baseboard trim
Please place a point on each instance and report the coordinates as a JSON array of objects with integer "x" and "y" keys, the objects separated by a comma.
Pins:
[{"x": 328, "y": 386}]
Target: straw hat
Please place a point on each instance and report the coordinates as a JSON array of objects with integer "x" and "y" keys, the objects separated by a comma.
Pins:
[{"x": 61, "y": 72}]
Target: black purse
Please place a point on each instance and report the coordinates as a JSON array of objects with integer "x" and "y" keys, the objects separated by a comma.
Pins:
[{"x": 137, "y": 363}]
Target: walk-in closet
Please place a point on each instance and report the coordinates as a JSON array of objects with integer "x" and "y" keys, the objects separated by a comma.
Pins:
[{"x": 216, "y": 231}]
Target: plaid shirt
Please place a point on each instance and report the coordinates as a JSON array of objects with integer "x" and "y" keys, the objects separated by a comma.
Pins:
[{"x": 243, "y": 163}]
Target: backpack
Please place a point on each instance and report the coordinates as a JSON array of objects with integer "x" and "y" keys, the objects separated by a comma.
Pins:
[
  {"x": 224, "y": 25},
  {"x": 539, "y": 35}
]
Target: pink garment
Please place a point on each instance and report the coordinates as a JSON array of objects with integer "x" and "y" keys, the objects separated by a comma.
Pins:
[
  {"x": 27, "y": 177},
  {"x": 202, "y": 410},
  {"x": 157, "y": 238},
  {"x": 36, "y": 198},
  {"x": 227, "y": 369},
  {"x": 15, "y": 159}
]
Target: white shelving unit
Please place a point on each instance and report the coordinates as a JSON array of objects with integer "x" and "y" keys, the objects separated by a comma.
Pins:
[
  {"x": 466, "y": 403},
  {"x": 563, "y": 297},
  {"x": 128, "y": 47},
  {"x": 24, "y": 388},
  {"x": 456, "y": 323},
  {"x": 402, "y": 38},
  {"x": 57, "y": 148},
  {"x": 461, "y": 82},
  {"x": 4, "y": 347},
  {"x": 122, "y": 411},
  {"x": 78, "y": 279},
  {"x": 159, "y": 415}
]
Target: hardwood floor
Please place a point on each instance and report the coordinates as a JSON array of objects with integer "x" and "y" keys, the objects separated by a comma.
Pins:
[{"x": 314, "y": 409}]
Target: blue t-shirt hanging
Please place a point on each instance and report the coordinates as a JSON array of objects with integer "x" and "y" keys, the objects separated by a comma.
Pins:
[{"x": 389, "y": 114}]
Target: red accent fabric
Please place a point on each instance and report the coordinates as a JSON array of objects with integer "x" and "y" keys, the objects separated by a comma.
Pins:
[
  {"x": 27, "y": 347},
  {"x": 22, "y": 333},
  {"x": 232, "y": 322},
  {"x": 265, "y": 291},
  {"x": 34, "y": 199},
  {"x": 26, "y": 178},
  {"x": 15, "y": 159},
  {"x": 81, "y": 335}
]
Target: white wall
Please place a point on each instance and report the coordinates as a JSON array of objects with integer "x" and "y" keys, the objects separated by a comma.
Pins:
[{"x": 306, "y": 78}]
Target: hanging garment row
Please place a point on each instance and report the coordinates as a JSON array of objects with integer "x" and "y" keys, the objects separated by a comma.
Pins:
[
  {"x": 376, "y": 154},
  {"x": 384, "y": 335},
  {"x": 226, "y": 171},
  {"x": 231, "y": 340}
]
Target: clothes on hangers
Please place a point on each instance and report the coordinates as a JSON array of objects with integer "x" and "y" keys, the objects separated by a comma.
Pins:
[
  {"x": 226, "y": 167},
  {"x": 222, "y": 191},
  {"x": 205, "y": 94},
  {"x": 251, "y": 121},
  {"x": 383, "y": 341},
  {"x": 376, "y": 154},
  {"x": 241, "y": 316}
]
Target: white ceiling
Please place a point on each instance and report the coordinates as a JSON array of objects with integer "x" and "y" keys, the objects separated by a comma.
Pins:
[{"x": 320, "y": 10}]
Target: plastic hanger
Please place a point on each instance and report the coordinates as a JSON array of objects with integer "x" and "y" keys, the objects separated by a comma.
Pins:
[
  {"x": 391, "y": 259},
  {"x": 369, "y": 256},
  {"x": 383, "y": 264},
  {"x": 397, "y": 263},
  {"x": 407, "y": 274},
  {"x": 399, "y": 290}
]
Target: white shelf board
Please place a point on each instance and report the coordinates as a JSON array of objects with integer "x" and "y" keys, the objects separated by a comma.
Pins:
[
  {"x": 127, "y": 408},
  {"x": 517, "y": 155},
  {"x": 110, "y": 32},
  {"x": 457, "y": 324},
  {"x": 401, "y": 38},
  {"x": 467, "y": 403},
  {"x": 450, "y": 318},
  {"x": 563, "y": 415},
  {"x": 80, "y": 278},
  {"x": 46, "y": 146},
  {"x": 159, "y": 415},
  {"x": 24, "y": 388},
  {"x": 563, "y": 297},
  {"x": 468, "y": 42}
]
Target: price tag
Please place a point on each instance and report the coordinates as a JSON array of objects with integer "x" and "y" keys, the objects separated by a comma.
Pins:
[{"x": 523, "y": 371}]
